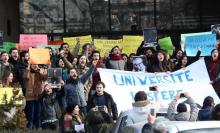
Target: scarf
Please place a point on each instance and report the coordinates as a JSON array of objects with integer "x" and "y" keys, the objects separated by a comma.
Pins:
[{"x": 115, "y": 57}]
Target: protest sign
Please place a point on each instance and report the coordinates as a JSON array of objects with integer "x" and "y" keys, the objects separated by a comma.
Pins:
[
  {"x": 183, "y": 37},
  {"x": 8, "y": 45},
  {"x": 55, "y": 77},
  {"x": 105, "y": 46},
  {"x": 166, "y": 44},
  {"x": 10, "y": 96},
  {"x": 216, "y": 30},
  {"x": 139, "y": 64},
  {"x": 72, "y": 41},
  {"x": 58, "y": 42},
  {"x": 130, "y": 44},
  {"x": 32, "y": 40},
  {"x": 1, "y": 39},
  {"x": 123, "y": 85},
  {"x": 54, "y": 47},
  {"x": 150, "y": 37},
  {"x": 39, "y": 56},
  {"x": 206, "y": 42}
]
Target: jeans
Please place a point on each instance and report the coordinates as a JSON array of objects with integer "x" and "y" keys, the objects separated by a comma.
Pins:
[{"x": 32, "y": 111}]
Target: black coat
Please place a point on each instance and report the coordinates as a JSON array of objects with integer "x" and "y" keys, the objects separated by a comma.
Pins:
[{"x": 109, "y": 102}]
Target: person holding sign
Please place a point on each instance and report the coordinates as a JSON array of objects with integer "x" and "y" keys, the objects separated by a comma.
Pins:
[
  {"x": 12, "y": 114},
  {"x": 213, "y": 67},
  {"x": 34, "y": 77}
]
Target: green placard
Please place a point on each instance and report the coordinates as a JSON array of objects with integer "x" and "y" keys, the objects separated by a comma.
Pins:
[{"x": 166, "y": 44}]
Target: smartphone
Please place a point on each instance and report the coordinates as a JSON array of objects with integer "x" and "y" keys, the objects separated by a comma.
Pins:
[
  {"x": 152, "y": 111},
  {"x": 182, "y": 95},
  {"x": 100, "y": 108},
  {"x": 153, "y": 88}
]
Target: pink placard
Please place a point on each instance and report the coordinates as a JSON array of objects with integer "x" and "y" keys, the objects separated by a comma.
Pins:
[{"x": 32, "y": 40}]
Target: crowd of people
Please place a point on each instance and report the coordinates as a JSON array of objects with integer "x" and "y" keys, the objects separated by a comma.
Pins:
[{"x": 80, "y": 103}]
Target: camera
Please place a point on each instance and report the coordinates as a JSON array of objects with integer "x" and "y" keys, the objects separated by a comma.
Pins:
[
  {"x": 100, "y": 108},
  {"x": 153, "y": 88},
  {"x": 182, "y": 95},
  {"x": 152, "y": 111}
]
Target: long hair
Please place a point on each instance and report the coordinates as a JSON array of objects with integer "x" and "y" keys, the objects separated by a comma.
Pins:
[
  {"x": 216, "y": 112},
  {"x": 5, "y": 76}
]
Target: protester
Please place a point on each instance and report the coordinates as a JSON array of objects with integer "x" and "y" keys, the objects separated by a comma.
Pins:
[
  {"x": 14, "y": 61},
  {"x": 82, "y": 69},
  {"x": 177, "y": 55},
  {"x": 182, "y": 113},
  {"x": 34, "y": 77},
  {"x": 149, "y": 54},
  {"x": 11, "y": 113},
  {"x": 73, "y": 120},
  {"x": 216, "y": 112},
  {"x": 23, "y": 64},
  {"x": 205, "y": 113},
  {"x": 130, "y": 62},
  {"x": 160, "y": 63},
  {"x": 141, "y": 107},
  {"x": 49, "y": 108},
  {"x": 212, "y": 65},
  {"x": 74, "y": 89},
  {"x": 95, "y": 56},
  {"x": 65, "y": 48},
  {"x": 86, "y": 50},
  {"x": 115, "y": 61},
  {"x": 98, "y": 122},
  {"x": 4, "y": 64},
  {"x": 102, "y": 101}
]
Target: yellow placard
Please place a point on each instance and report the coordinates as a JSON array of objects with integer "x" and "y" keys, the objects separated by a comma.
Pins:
[
  {"x": 105, "y": 46},
  {"x": 72, "y": 41},
  {"x": 11, "y": 95},
  {"x": 131, "y": 43}
]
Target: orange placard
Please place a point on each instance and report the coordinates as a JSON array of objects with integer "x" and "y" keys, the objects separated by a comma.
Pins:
[
  {"x": 58, "y": 42},
  {"x": 39, "y": 56}
]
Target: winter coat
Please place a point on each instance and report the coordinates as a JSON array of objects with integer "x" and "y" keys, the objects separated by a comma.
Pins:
[
  {"x": 139, "y": 112},
  {"x": 34, "y": 84},
  {"x": 109, "y": 102},
  {"x": 184, "y": 116},
  {"x": 49, "y": 107},
  {"x": 205, "y": 114},
  {"x": 74, "y": 89},
  {"x": 214, "y": 73},
  {"x": 88, "y": 83}
]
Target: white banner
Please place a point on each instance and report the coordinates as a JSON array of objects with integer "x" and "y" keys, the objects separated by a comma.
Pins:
[{"x": 123, "y": 85}]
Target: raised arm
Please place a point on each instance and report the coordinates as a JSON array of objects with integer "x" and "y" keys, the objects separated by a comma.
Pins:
[
  {"x": 193, "y": 107},
  {"x": 66, "y": 62},
  {"x": 86, "y": 76}
]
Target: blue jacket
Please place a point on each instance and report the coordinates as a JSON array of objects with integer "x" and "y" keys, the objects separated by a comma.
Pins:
[
  {"x": 205, "y": 114},
  {"x": 74, "y": 89}
]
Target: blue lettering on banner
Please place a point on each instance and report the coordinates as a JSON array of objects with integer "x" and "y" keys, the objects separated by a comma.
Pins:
[
  {"x": 165, "y": 95},
  {"x": 131, "y": 80},
  {"x": 143, "y": 82},
  {"x": 187, "y": 75}
]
